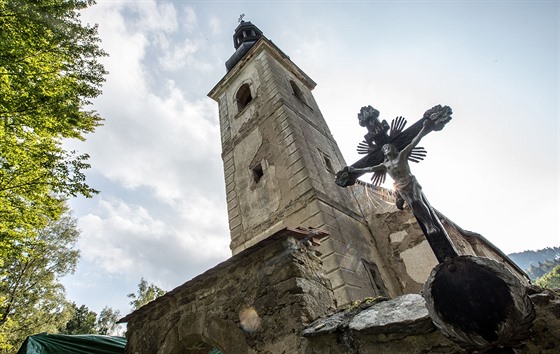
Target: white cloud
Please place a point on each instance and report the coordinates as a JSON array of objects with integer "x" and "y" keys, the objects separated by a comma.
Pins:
[
  {"x": 164, "y": 148},
  {"x": 190, "y": 19},
  {"x": 123, "y": 238},
  {"x": 149, "y": 140},
  {"x": 215, "y": 25},
  {"x": 183, "y": 56},
  {"x": 156, "y": 141},
  {"x": 153, "y": 16}
]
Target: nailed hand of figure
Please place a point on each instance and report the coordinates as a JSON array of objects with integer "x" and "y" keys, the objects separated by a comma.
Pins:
[{"x": 439, "y": 115}]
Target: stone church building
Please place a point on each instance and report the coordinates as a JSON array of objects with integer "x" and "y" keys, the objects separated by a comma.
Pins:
[{"x": 308, "y": 257}]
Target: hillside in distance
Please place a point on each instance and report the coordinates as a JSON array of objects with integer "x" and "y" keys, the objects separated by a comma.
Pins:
[{"x": 537, "y": 262}]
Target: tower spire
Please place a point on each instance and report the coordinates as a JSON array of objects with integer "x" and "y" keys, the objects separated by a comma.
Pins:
[{"x": 245, "y": 35}]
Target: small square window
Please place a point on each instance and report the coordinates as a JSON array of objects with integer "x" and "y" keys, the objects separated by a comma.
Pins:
[
  {"x": 296, "y": 91},
  {"x": 328, "y": 164},
  {"x": 257, "y": 173}
]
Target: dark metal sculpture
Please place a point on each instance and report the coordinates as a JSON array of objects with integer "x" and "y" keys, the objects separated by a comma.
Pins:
[
  {"x": 390, "y": 153},
  {"x": 474, "y": 301},
  {"x": 379, "y": 135}
]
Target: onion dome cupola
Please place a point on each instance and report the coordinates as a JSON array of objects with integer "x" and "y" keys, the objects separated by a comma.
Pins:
[{"x": 245, "y": 35}]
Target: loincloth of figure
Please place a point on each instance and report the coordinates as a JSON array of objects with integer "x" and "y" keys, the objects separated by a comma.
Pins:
[{"x": 409, "y": 189}]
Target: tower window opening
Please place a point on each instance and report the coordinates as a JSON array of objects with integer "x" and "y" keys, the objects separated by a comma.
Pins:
[
  {"x": 257, "y": 173},
  {"x": 296, "y": 90},
  {"x": 328, "y": 163},
  {"x": 243, "y": 97}
]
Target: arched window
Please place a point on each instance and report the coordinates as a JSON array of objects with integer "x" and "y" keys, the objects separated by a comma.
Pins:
[
  {"x": 297, "y": 92},
  {"x": 243, "y": 97}
]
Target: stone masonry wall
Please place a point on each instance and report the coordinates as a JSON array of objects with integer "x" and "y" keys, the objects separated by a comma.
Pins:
[{"x": 256, "y": 302}]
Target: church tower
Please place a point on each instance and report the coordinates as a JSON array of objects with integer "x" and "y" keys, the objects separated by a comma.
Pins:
[{"x": 279, "y": 163}]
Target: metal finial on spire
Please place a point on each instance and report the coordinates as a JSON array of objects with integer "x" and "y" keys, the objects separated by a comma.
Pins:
[{"x": 241, "y": 18}]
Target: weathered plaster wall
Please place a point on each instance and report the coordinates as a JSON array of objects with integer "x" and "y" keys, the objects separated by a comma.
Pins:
[
  {"x": 285, "y": 136},
  {"x": 404, "y": 248},
  {"x": 260, "y": 134},
  {"x": 256, "y": 302},
  {"x": 419, "y": 261}
]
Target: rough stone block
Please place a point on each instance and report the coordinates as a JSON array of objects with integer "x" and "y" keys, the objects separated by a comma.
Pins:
[
  {"x": 398, "y": 236},
  {"x": 405, "y": 313}
]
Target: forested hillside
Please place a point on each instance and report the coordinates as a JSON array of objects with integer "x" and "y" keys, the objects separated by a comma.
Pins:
[{"x": 537, "y": 263}]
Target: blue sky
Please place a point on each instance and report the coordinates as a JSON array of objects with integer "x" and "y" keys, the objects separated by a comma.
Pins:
[{"x": 162, "y": 212}]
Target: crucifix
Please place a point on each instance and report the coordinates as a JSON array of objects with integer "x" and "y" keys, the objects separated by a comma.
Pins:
[
  {"x": 475, "y": 301},
  {"x": 241, "y": 18},
  {"x": 389, "y": 154}
]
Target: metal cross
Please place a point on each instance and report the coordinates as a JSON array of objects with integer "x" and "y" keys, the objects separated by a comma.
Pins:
[{"x": 241, "y": 18}]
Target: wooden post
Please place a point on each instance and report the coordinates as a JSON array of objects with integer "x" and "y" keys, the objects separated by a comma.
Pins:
[{"x": 478, "y": 303}]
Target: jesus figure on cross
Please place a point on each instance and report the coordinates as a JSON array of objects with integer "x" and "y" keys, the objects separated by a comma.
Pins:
[{"x": 405, "y": 184}]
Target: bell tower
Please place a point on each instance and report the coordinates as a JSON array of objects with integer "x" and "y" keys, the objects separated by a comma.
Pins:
[{"x": 279, "y": 164}]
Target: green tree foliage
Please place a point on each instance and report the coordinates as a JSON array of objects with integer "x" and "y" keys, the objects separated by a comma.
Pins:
[
  {"x": 107, "y": 321},
  {"x": 551, "y": 279},
  {"x": 145, "y": 293},
  {"x": 49, "y": 73},
  {"x": 82, "y": 322},
  {"x": 32, "y": 297}
]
